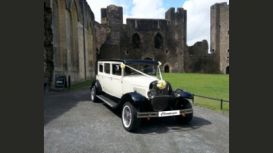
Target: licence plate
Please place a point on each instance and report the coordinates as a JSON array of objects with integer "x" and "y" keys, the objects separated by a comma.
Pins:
[{"x": 169, "y": 113}]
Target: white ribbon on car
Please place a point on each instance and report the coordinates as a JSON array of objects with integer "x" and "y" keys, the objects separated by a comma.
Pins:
[
  {"x": 161, "y": 84},
  {"x": 122, "y": 65}
]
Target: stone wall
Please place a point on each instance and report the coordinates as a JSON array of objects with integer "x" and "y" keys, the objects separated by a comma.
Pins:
[
  {"x": 48, "y": 46},
  {"x": 198, "y": 59},
  {"x": 71, "y": 23}
]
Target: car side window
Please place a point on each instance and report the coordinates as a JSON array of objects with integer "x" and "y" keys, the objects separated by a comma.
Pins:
[
  {"x": 127, "y": 71},
  {"x": 107, "y": 68},
  {"x": 116, "y": 69},
  {"x": 100, "y": 67}
]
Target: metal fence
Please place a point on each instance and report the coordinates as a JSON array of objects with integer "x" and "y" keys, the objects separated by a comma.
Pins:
[{"x": 211, "y": 98}]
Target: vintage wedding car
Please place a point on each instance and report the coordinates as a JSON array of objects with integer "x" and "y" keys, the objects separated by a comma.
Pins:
[{"x": 136, "y": 89}]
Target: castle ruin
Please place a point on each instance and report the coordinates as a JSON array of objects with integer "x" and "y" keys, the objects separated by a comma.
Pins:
[
  {"x": 74, "y": 41},
  {"x": 157, "y": 39}
]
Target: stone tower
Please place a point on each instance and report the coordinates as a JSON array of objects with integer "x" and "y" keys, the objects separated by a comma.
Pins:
[
  {"x": 112, "y": 16},
  {"x": 220, "y": 35},
  {"x": 178, "y": 31}
]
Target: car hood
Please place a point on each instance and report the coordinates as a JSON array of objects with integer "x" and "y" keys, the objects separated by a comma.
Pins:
[{"x": 139, "y": 80}]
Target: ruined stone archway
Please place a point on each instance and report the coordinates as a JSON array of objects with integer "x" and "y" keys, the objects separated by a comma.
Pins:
[
  {"x": 166, "y": 68},
  {"x": 227, "y": 70},
  {"x": 158, "y": 41}
]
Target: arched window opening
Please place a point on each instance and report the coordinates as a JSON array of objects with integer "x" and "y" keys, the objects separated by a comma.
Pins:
[
  {"x": 166, "y": 69},
  {"x": 136, "y": 40},
  {"x": 227, "y": 70},
  {"x": 126, "y": 52},
  {"x": 158, "y": 41}
]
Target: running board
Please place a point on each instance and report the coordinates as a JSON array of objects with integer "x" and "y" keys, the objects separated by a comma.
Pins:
[{"x": 107, "y": 101}]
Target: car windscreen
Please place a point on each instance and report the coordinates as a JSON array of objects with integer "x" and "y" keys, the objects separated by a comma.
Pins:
[{"x": 150, "y": 69}]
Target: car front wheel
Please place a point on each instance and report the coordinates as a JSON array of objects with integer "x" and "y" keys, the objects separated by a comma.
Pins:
[{"x": 129, "y": 118}]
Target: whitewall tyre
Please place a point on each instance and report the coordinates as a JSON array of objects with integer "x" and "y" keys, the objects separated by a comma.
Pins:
[{"x": 129, "y": 118}]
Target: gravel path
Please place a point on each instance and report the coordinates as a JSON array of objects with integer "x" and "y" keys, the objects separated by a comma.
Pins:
[{"x": 74, "y": 124}]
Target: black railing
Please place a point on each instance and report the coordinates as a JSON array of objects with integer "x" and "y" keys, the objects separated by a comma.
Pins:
[{"x": 211, "y": 98}]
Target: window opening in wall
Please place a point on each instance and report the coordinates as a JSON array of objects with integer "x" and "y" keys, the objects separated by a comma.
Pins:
[
  {"x": 212, "y": 51},
  {"x": 227, "y": 70},
  {"x": 126, "y": 52},
  {"x": 136, "y": 40},
  {"x": 166, "y": 69},
  {"x": 158, "y": 41}
]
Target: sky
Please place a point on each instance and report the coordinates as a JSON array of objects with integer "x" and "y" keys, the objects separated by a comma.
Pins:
[{"x": 198, "y": 13}]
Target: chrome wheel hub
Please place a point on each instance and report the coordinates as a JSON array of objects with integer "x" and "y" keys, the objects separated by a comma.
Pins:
[{"x": 126, "y": 116}]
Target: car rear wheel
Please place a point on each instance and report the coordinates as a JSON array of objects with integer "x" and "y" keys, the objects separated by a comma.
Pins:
[
  {"x": 187, "y": 117},
  {"x": 93, "y": 94},
  {"x": 129, "y": 118}
]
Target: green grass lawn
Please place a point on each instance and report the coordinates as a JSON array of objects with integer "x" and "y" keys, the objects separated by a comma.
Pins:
[{"x": 210, "y": 85}]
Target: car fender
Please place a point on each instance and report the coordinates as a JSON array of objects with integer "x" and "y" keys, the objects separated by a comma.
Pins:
[
  {"x": 136, "y": 99},
  {"x": 179, "y": 93}
]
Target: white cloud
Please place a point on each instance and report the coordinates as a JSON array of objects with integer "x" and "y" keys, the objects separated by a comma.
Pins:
[
  {"x": 138, "y": 8},
  {"x": 147, "y": 9},
  {"x": 198, "y": 19}
]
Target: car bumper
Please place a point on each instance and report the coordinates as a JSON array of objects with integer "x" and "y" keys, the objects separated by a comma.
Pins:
[{"x": 182, "y": 112}]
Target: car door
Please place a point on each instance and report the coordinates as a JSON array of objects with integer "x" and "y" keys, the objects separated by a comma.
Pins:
[
  {"x": 105, "y": 77},
  {"x": 115, "y": 86},
  {"x": 100, "y": 75}
]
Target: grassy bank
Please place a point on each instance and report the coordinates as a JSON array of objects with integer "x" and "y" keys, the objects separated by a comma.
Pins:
[{"x": 210, "y": 85}]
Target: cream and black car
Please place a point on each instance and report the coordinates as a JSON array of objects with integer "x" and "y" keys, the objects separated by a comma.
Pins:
[{"x": 136, "y": 89}]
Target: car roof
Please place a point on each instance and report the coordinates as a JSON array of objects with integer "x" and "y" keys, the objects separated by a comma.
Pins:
[{"x": 130, "y": 61}]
